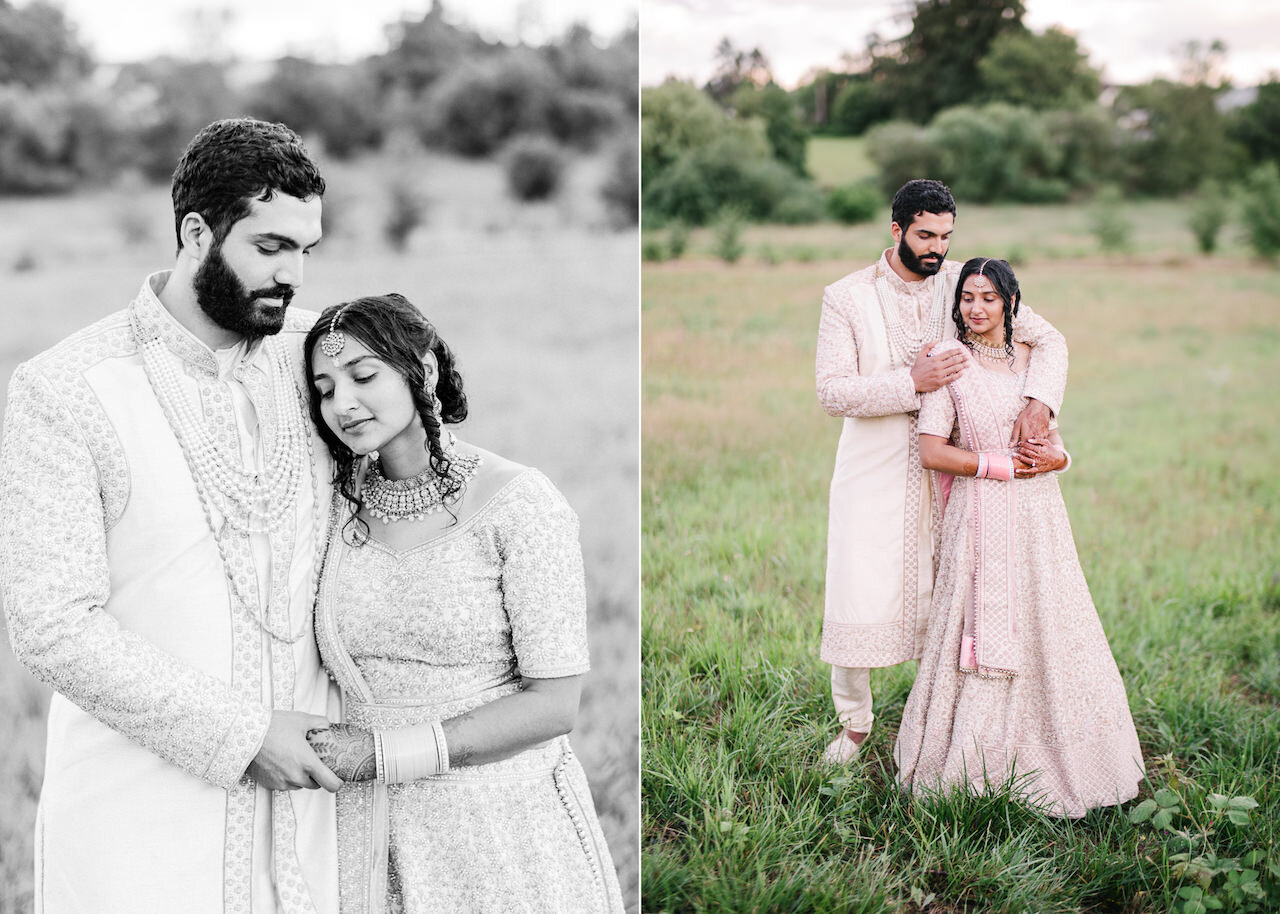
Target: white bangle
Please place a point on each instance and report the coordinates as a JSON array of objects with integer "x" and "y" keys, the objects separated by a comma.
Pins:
[
  {"x": 409, "y": 753},
  {"x": 1068, "y": 466}
]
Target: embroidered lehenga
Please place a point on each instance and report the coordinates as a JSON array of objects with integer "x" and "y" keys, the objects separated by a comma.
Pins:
[
  {"x": 433, "y": 632},
  {"x": 1016, "y": 678}
]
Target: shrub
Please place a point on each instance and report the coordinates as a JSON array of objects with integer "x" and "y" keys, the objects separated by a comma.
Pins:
[
  {"x": 406, "y": 210},
  {"x": 1208, "y": 215},
  {"x": 476, "y": 108},
  {"x": 854, "y": 203},
  {"x": 581, "y": 117},
  {"x": 652, "y": 250},
  {"x": 677, "y": 239},
  {"x": 702, "y": 181},
  {"x": 535, "y": 167},
  {"x": 621, "y": 187},
  {"x": 1261, "y": 209},
  {"x": 901, "y": 151},
  {"x": 1108, "y": 220},
  {"x": 728, "y": 234}
]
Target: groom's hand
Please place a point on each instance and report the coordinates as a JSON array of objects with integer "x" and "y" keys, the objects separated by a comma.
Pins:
[
  {"x": 286, "y": 761},
  {"x": 933, "y": 371},
  {"x": 1033, "y": 422}
]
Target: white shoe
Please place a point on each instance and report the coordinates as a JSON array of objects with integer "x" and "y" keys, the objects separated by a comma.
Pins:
[{"x": 841, "y": 750}]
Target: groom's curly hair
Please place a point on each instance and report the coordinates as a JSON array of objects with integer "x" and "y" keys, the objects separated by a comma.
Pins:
[
  {"x": 923, "y": 195},
  {"x": 1003, "y": 281}
]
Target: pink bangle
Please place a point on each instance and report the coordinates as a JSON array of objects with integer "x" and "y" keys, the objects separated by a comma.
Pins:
[{"x": 995, "y": 466}]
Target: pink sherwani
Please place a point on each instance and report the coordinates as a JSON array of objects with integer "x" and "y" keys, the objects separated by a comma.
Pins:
[
  {"x": 116, "y": 595},
  {"x": 882, "y": 517}
]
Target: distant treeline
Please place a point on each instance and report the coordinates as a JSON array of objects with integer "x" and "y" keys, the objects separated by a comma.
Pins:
[
  {"x": 970, "y": 96},
  {"x": 66, "y": 121}
]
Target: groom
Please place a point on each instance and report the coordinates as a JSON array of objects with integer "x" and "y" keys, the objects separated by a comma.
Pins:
[
  {"x": 162, "y": 497},
  {"x": 877, "y": 328}
]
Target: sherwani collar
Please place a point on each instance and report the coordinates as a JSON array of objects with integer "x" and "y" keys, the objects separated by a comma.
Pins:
[
  {"x": 896, "y": 282},
  {"x": 151, "y": 319}
]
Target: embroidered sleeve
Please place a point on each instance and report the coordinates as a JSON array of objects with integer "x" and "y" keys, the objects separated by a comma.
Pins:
[
  {"x": 841, "y": 390},
  {"x": 542, "y": 581},
  {"x": 1047, "y": 373},
  {"x": 55, "y": 583},
  {"x": 937, "y": 413}
]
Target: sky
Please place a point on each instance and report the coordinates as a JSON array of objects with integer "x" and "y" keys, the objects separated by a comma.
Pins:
[
  {"x": 118, "y": 31},
  {"x": 1132, "y": 40}
]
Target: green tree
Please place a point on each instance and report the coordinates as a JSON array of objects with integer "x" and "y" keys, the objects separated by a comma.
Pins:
[
  {"x": 1256, "y": 126},
  {"x": 861, "y": 103},
  {"x": 936, "y": 65},
  {"x": 736, "y": 67},
  {"x": 783, "y": 128},
  {"x": 675, "y": 118},
  {"x": 1177, "y": 135},
  {"x": 1041, "y": 71}
]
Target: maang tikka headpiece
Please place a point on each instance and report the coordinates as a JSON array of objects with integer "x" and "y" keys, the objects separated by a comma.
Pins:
[
  {"x": 334, "y": 340},
  {"x": 979, "y": 281}
]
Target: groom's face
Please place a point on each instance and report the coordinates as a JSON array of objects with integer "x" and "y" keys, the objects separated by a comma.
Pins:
[
  {"x": 247, "y": 280},
  {"x": 922, "y": 246}
]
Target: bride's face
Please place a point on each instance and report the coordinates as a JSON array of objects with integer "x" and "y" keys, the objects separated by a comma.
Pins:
[
  {"x": 982, "y": 308},
  {"x": 365, "y": 402}
]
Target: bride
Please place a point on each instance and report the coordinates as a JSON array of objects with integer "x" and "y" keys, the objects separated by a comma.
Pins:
[
  {"x": 1017, "y": 683},
  {"x": 452, "y": 614}
]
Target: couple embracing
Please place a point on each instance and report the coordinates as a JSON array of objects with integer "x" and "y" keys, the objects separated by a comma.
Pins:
[
  {"x": 948, "y": 540},
  {"x": 215, "y": 507}
]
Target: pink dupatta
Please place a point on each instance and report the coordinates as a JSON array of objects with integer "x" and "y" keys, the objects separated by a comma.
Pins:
[{"x": 989, "y": 645}]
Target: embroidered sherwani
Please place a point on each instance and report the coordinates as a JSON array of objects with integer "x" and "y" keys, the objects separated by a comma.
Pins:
[
  {"x": 116, "y": 594},
  {"x": 882, "y": 518}
]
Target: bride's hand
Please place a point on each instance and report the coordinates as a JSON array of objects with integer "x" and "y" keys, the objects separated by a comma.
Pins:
[
  {"x": 1039, "y": 455},
  {"x": 347, "y": 751}
]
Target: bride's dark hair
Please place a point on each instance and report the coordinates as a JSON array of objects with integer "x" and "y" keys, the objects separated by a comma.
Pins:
[
  {"x": 395, "y": 331},
  {"x": 1006, "y": 285}
]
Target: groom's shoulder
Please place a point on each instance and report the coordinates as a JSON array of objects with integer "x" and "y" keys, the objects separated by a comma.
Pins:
[
  {"x": 72, "y": 355},
  {"x": 299, "y": 320},
  {"x": 848, "y": 283}
]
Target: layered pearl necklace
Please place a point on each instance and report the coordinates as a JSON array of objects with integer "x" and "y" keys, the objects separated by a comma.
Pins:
[
  {"x": 903, "y": 346},
  {"x": 248, "y": 502},
  {"x": 416, "y": 498}
]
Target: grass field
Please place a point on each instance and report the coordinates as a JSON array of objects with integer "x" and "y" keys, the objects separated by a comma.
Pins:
[
  {"x": 538, "y": 303},
  {"x": 1174, "y": 499},
  {"x": 837, "y": 160}
]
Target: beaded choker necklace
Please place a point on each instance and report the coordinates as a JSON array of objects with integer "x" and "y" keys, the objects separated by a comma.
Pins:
[
  {"x": 983, "y": 349},
  {"x": 416, "y": 497}
]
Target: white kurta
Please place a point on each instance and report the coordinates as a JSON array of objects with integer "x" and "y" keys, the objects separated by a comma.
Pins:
[
  {"x": 116, "y": 595},
  {"x": 881, "y": 516}
]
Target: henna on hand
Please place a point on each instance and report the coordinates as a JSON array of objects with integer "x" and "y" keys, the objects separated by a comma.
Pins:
[{"x": 347, "y": 751}]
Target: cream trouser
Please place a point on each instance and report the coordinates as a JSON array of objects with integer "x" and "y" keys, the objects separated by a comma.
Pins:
[{"x": 851, "y": 691}]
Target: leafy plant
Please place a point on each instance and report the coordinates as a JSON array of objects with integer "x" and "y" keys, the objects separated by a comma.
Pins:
[
  {"x": 1261, "y": 210},
  {"x": 1108, "y": 221},
  {"x": 728, "y": 234},
  {"x": 1208, "y": 215}
]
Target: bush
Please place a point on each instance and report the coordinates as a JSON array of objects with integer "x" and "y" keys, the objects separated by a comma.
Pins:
[
  {"x": 1208, "y": 215},
  {"x": 728, "y": 234},
  {"x": 581, "y": 117},
  {"x": 1108, "y": 221},
  {"x": 703, "y": 181},
  {"x": 677, "y": 239},
  {"x": 653, "y": 251},
  {"x": 1261, "y": 209},
  {"x": 406, "y": 210},
  {"x": 902, "y": 151},
  {"x": 534, "y": 166},
  {"x": 621, "y": 187},
  {"x": 854, "y": 203},
  {"x": 476, "y": 108}
]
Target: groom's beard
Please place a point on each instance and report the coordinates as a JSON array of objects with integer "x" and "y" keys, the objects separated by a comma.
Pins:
[
  {"x": 921, "y": 266},
  {"x": 226, "y": 301}
]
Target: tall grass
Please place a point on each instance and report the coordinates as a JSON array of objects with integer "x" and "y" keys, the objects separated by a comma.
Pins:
[
  {"x": 547, "y": 348},
  {"x": 1174, "y": 499}
]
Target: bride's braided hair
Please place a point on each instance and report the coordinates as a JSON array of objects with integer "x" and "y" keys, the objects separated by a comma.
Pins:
[{"x": 397, "y": 333}]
